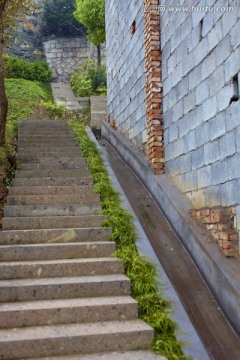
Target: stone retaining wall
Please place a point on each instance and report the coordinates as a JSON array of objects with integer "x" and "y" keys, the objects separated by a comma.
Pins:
[{"x": 65, "y": 55}]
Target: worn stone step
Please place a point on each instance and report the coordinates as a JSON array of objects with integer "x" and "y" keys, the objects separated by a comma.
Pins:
[
  {"x": 51, "y": 181},
  {"x": 123, "y": 355},
  {"x": 67, "y": 311},
  {"x": 52, "y": 210},
  {"x": 46, "y": 252},
  {"x": 50, "y": 190},
  {"x": 58, "y": 165},
  {"x": 49, "y": 151},
  {"x": 59, "y": 268},
  {"x": 48, "y": 147},
  {"x": 43, "y": 132},
  {"x": 51, "y": 173},
  {"x": 59, "y": 199},
  {"x": 52, "y": 222},
  {"x": 70, "y": 139},
  {"x": 29, "y": 160},
  {"x": 63, "y": 288},
  {"x": 42, "y": 136},
  {"x": 55, "y": 236},
  {"x": 75, "y": 338}
]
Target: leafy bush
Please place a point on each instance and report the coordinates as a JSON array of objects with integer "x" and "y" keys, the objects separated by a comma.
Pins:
[
  {"x": 20, "y": 69},
  {"x": 54, "y": 111},
  {"x": 89, "y": 79}
]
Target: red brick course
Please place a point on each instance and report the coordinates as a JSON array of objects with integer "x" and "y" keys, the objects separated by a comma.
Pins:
[{"x": 154, "y": 116}]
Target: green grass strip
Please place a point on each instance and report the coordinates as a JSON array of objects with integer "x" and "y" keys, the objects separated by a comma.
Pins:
[{"x": 153, "y": 308}]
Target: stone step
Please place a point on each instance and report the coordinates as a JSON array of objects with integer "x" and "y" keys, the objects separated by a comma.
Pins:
[
  {"x": 56, "y": 268},
  {"x": 63, "y": 288},
  {"x": 42, "y": 136},
  {"x": 123, "y": 355},
  {"x": 41, "y": 156},
  {"x": 42, "y": 132},
  {"x": 42, "y": 150},
  {"x": 57, "y": 166},
  {"x": 52, "y": 222},
  {"x": 51, "y": 173},
  {"x": 50, "y": 190},
  {"x": 47, "y": 139},
  {"x": 33, "y": 167},
  {"x": 50, "y": 160},
  {"x": 67, "y": 311},
  {"x": 50, "y": 181},
  {"x": 56, "y": 251},
  {"x": 74, "y": 338},
  {"x": 51, "y": 210},
  {"x": 47, "y": 147},
  {"x": 55, "y": 236},
  {"x": 59, "y": 199}
]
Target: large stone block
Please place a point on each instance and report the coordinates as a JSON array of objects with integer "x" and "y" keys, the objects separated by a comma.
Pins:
[
  {"x": 211, "y": 152},
  {"x": 234, "y": 167},
  {"x": 228, "y": 144},
  {"x": 204, "y": 177},
  {"x": 220, "y": 172}
]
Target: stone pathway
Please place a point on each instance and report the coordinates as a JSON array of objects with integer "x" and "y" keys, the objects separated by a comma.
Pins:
[
  {"x": 63, "y": 94},
  {"x": 62, "y": 295}
]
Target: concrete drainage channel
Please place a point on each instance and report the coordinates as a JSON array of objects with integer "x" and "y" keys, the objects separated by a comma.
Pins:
[{"x": 204, "y": 327}]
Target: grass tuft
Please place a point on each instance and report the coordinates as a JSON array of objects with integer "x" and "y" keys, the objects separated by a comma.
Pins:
[{"x": 153, "y": 307}]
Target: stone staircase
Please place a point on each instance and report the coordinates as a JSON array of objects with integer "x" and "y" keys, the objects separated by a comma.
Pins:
[{"x": 62, "y": 294}]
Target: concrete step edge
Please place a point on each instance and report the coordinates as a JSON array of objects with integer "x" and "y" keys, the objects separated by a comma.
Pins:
[
  {"x": 38, "y": 269},
  {"x": 54, "y": 236},
  {"x": 52, "y": 210},
  {"x": 123, "y": 355},
  {"x": 84, "y": 338},
  {"x": 40, "y": 313},
  {"x": 38, "y": 252}
]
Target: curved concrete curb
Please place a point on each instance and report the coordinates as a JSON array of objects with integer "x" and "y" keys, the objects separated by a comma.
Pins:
[{"x": 220, "y": 273}]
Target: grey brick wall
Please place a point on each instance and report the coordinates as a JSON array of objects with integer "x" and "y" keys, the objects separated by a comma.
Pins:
[
  {"x": 126, "y": 69},
  {"x": 200, "y": 60},
  {"x": 201, "y": 57}
]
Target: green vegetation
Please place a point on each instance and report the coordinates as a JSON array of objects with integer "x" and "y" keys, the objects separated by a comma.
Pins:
[
  {"x": 91, "y": 13},
  {"x": 59, "y": 20},
  {"x": 24, "y": 96},
  {"x": 20, "y": 69},
  {"x": 25, "y": 99},
  {"x": 145, "y": 288},
  {"x": 89, "y": 79}
]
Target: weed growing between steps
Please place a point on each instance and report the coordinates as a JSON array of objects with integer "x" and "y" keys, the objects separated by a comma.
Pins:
[{"x": 153, "y": 308}]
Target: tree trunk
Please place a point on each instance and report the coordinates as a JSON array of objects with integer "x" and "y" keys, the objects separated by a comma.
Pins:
[
  {"x": 3, "y": 96},
  {"x": 99, "y": 60}
]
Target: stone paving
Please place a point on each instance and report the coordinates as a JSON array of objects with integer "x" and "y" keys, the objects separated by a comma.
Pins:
[{"x": 62, "y": 294}]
